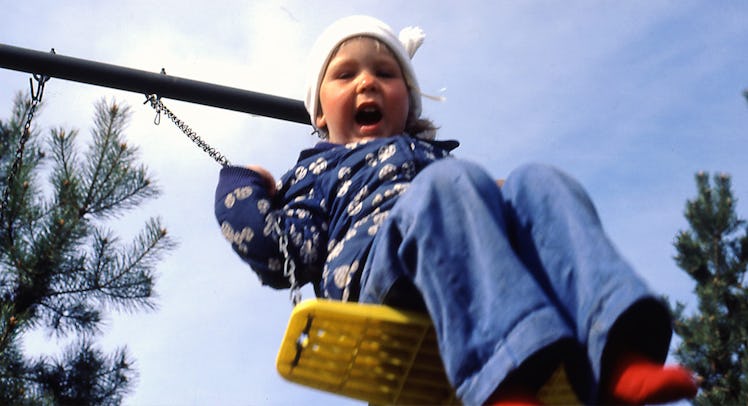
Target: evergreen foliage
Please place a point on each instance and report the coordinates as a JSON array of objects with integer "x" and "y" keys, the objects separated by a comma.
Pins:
[
  {"x": 61, "y": 268},
  {"x": 714, "y": 252}
]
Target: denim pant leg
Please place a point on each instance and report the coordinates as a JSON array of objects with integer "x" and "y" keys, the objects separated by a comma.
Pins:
[
  {"x": 558, "y": 234},
  {"x": 448, "y": 235}
]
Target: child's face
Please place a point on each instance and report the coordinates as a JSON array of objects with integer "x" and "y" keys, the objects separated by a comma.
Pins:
[{"x": 363, "y": 94}]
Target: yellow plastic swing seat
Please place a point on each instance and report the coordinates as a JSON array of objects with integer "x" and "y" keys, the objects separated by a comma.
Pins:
[{"x": 377, "y": 354}]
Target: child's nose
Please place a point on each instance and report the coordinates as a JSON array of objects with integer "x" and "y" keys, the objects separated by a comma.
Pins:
[{"x": 366, "y": 82}]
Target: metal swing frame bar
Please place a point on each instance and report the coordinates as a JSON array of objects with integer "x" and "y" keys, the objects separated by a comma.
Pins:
[{"x": 144, "y": 82}]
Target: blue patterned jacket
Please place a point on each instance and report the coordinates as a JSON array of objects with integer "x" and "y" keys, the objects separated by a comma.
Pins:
[{"x": 329, "y": 205}]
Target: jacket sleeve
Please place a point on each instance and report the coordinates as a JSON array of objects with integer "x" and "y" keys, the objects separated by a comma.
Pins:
[{"x": 248, "y": 215}]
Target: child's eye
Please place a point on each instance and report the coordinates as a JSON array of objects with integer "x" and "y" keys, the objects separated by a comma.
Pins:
[{"x": 388, "y": 70}]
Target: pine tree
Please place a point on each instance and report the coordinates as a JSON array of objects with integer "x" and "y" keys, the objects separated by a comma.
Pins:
[
  {"x": 61, "y": 268},
  {"x": 714, "y": 252}
]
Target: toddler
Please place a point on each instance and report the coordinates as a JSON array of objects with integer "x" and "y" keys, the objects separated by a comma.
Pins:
[{"x": 516, "y": 279}]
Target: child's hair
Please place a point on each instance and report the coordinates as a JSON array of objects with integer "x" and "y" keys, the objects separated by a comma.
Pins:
[{"x": 402, "y": 48}]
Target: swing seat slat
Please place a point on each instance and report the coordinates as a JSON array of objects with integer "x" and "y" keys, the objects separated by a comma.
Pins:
[{"x": 377, "y": 354}]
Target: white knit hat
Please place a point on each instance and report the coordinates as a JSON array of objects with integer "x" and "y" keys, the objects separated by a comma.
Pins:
[{"x": 403, "y": 47}]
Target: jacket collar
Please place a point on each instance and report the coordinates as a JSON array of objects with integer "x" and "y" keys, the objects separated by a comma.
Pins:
[{"x": 322, "y": 146}]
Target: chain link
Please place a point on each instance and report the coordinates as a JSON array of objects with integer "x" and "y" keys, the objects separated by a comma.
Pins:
[
  {"x": 36, "y": 99},
  {"x": 289, "y": 267},
  {"x": 157, "y": 105}
]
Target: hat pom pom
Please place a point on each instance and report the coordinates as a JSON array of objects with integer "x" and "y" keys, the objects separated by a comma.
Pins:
[{"x": 411, "y": 38}]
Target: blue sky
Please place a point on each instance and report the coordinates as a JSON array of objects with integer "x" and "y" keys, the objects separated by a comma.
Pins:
[{"x": 632, "y": 98}]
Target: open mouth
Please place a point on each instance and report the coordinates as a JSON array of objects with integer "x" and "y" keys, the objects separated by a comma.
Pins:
[{"x": 368, "y": 115}]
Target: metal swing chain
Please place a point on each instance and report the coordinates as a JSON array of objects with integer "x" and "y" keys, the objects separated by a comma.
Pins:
[
  {"x": 158, "y": 105},
  {"x": 289, "y": 267},
  {"x": 36, "y": 99}
]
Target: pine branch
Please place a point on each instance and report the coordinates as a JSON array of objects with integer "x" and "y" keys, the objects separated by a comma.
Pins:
[
  {"x": 120, "y": 276},
  {"x": 134, "y": 278},
  {"x": 102, "y": 135},
  {"x": 77, "y": 316},
  {"x": 112, "y": 180},
  {"x": 93, "y": 377},
  {"x": 59, "y": 270}
]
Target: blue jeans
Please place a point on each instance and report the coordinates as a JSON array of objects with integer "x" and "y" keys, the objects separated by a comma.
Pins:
[{"x": 504, "y": 273}]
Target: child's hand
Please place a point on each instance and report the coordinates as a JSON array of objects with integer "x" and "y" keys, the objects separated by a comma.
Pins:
[{"x": 266, "y": 176}]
